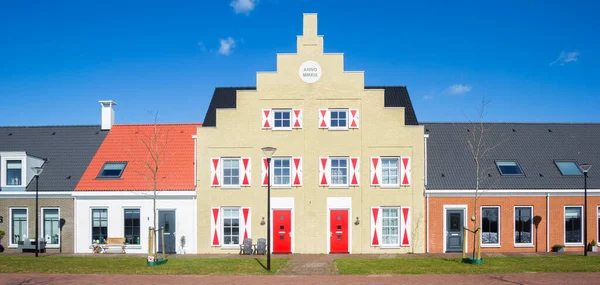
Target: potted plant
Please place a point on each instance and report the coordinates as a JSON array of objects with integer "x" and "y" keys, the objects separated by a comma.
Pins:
[
  {"x": 558, "y": 248},
  {"x": 593, "y": 246},
  {"x": 2, "y": 233}
]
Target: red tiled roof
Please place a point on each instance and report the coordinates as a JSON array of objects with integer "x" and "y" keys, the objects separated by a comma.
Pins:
[{"x": 129, "y": 143}]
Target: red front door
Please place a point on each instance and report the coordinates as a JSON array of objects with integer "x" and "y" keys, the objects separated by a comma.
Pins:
[
  {"x": 338, "y": 231},
  {"x": 282, "y": 231}
]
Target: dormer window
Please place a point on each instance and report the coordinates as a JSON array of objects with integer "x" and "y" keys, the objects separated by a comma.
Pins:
[
  {"x": 14, "y": 170},
  {"x": 112, "y": 170}
]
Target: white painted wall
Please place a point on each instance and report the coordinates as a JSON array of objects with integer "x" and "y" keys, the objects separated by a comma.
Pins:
[{"x": 185, "y": 212}]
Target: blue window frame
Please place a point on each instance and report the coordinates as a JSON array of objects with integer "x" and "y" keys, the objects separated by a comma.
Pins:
[
  {"x": 338, "y": 118},
  {"x": 282, "y": 119},
  {"x": 112, "y": 170}
]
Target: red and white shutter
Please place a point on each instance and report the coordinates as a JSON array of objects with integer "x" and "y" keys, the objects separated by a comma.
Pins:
[
  {"x": 405, "y": 226},
  {"x": 323, "y": 118},
  {"x": 353, "y": 119},
  {"x": 354, "y": 171},
  {"x": 405, "y": 170},
  {"x": 297, "y": 118},
  {"x": 375, "y": 170},
  {"x": 297, "y": 171},
  {"x": 324, "y": 171},
  {"x": 245, "y": 168},
  {"x": 246, "y": 222},
  {"x": 215, "y": 225},
  {"x": 375, "y": 226},
  {"x": 267, "y": 118},
  {"x": 264, "y": 166},
  {"x": 215, "y": 171}
]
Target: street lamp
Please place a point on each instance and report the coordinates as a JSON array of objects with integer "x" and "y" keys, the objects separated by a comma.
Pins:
[
  {"x": 585, "y": 168},
  {"x": 269, "y": 151},
  {"x": 37, "y": 171}
]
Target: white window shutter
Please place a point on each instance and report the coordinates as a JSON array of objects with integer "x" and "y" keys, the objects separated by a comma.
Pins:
[
  {"x": 354, "y": 171},
  {"x": 354, "y": 119},
  {"x": 297, "y": 171},
  {"x": 375, "y": 162},
  {"x": 405, "y": 226},
  {"x": 375, "y": 226},
  {"x": 323, "y": 118},
  {"x": 215, "y": 171},
  {"x": 297, "y": 118},
  {"x": 215, "y": 226},
  {"x": 324, "y": 169},
  {"x": 405, "y": 170},
  {"x": 267, "y": 118},
  {"x": 264, "y": 165},
  {"x": 246, "y": 222},
  {"x": 245, "y": 168}
]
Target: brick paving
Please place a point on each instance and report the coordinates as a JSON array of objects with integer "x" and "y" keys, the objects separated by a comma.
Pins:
[{"x": 472, "y": 279}]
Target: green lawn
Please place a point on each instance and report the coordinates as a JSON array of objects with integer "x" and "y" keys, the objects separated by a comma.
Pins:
[
  {"x": 137, "y": 265},
  {"x": 426, "y": 265}
]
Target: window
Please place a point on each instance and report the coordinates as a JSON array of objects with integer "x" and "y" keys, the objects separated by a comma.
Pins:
[
  {"x": 99, "y": 225},
  {"x": 281, "y": 172},
  {"x": 132, "y": 226},
  {"x": 568, "y": 167},
  {"x": 51, "y": 230},
  {"x": 523, "y": 225},
  {"x": 282, "y": 119},
  {"x": 389, "y": 168},
  {"x": 13, "y": 172},
  {"x": 231, "y": 226},
  {"x": 573, "y": 225},
  {"x": 338, "y": 119},
  {"x": 112, "y": 170},
  {"x": 390, "y": 228},
  {"x": 490, "y": 225},
  {"x": 509, "y": 168},
  {"x": 339, "y": 171},
  {"x": 231, "y": 171},
  {"x": 18, "y": 225}
]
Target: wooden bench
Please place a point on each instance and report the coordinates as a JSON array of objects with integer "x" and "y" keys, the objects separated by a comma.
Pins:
[{"x": 114, "y": 243}]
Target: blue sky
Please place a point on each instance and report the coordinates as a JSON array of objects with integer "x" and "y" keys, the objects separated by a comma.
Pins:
[{"x": 536, "y": 61}]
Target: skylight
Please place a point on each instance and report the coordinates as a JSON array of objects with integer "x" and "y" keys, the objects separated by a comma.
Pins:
[
  {"x": 112, "y": 170},
  {"x": 509, "y": 168},
  {"x": 568, "y": 167}
]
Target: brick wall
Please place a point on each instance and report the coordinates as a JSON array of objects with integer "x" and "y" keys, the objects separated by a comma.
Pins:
[
  {"x": 66, "y": 213},
  {"x": 556, "y": 217}
]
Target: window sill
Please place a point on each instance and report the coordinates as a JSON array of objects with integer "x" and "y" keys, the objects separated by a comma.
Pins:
[
  {"x": 53, "y": 246},
  {"x": 281, "y": 129},
  {"x": 338, "y": 129},
  {"x": 339, "y": 187},
  {"x": 491, "y": 245},
  {"x": 281, "y": 187},
  {"x": 573, "y": 244},
  {"x": 231, "y": 247},
  {"x": 390, "y": 247},
  {"x": 13, "y": 246},
  {"x": 524, "y": 245}
]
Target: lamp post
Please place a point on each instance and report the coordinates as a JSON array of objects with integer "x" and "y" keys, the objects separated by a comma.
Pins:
[
  {"x": 269, "y": 151},
  {"x": 585, "y": 168},
  {"x": 37, "y": 171}
]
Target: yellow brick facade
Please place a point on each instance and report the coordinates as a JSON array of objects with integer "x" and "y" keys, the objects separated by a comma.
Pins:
[{"x": 381, "y": 132}]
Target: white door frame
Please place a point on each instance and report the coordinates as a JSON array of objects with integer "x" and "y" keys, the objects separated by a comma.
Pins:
[{"x": 465, "y": 211}]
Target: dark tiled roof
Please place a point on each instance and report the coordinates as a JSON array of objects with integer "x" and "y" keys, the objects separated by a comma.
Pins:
[
  {"x": 225, "y": 98},
  {"x": 68, "y": 150},
  {"x": 534, "y": 146}
]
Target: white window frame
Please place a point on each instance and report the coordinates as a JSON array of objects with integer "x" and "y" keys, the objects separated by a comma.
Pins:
[
  {"x": 131, "y": 245},
  {"x": 598, "y": 225},
  {"x": 4, "y": 158},
  {"x": 10, "y": 224},
  {"x": 331, "y": 184},
  {"x": 238, "y": 185},
  {"x": 398, "y": 166},
  {"x": 43, "y": 226},
  {"x": 347, "y": 119},
  {"x": 222, "y": 229},
  {"x": 530, "y": 244},
  {"x": 288, "y": 185},
  {"x": 499, "y": 227},
  {"x": 91, "y": 229},
  {"x": 289, "y": 111},
  {"x": 400, "y": 230},
  {"x": 565, "y": 226}
]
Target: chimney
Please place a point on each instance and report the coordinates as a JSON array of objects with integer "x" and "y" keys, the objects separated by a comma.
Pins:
[
  {"x": 310, "y": 42},
  {"x": 108, "y": 114}
]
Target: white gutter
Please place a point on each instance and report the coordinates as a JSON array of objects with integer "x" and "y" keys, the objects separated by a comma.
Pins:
[
  {"x": 519, "y": 192},
  {"x": 140, "y": 194}
]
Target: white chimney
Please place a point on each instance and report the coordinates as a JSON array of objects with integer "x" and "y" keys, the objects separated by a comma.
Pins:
[{"x": 108, "y": 114}]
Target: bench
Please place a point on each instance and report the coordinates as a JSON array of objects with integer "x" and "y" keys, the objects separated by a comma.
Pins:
[{"x": 114, "y": 243}]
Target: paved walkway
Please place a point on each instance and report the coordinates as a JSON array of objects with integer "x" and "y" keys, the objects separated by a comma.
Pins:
[{"x": 471, "y": 279}]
